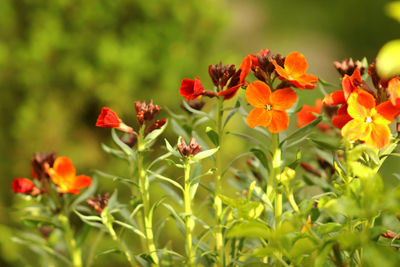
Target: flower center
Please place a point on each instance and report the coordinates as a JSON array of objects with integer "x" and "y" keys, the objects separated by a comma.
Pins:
[
  {"x": 368, "y": 120},
  {"x": 268, "y": 107}
]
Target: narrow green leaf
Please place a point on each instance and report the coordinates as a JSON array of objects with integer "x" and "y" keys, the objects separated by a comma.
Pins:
[
  {"x": 85, "y": 195},
  {"x": 179, "y": 130},
  {"x": 116, "y": 178},
  {"x": 172, "y": 150},
  {"x": 260, "y": 155},
  {"x": 231, "y": 113},
  {"x": 300, "y": 133},
  {"x": 249, "y": 138},
  {"x": 114, "y": 152},
  {"x": 124, "y": 147},
  {"x": 166, "y": 179},
  {"x": 151, "y": 137},
  {"x": 212, "y": 135},
  {"x": 130, "y": 227},
  {"x": 205, "y": 154},
  {"x": 195, "y": 111}
]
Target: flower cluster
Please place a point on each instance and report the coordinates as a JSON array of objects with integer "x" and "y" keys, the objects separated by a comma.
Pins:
[
  {"x": 59, "y": 170},
  {"x": 365, "y": 114},
  {"x": 145, "y": 114}
]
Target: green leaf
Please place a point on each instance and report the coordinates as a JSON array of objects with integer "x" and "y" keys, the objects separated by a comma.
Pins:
[
  {"x": 260, "y": 155},
  {"x": 325, "y": 145},
  {"x": 327, "y": 228},
  {"x": 124, "y": 147},
  {"x": 387, "y": 61},
  {"x": 302, "y": 247},
  {"x": 172, "y": 150},
  {"x": 303, "y": 131},
  {"x": 195, "y": 111},
  {"x": 249, "y": 138},
  {"x": 166, "y": 179},
  {"x": 244, "y": 208},
  {"x": 151, "y": 137},
  {"x": 116, "y": 178},
  {"x": 205, "y": 154},
  {"x": 94, "y": 221},
  {"x": 179, "y": 130},
  {"x": 231, "y": 113},
  {"x": 130, "y": 227},
  {"x": 250, "y": 229},
  {"x": 263, "y": 252},
  {"x": 212, "y": 135},
  {"x": 114, "y": 152}
]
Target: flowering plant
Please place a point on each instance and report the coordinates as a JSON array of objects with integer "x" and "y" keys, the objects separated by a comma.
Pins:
[{"x": 310, "y": 193}]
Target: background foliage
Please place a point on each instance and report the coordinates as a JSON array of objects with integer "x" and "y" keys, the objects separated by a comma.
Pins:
[{"x": 61, "y": 61}]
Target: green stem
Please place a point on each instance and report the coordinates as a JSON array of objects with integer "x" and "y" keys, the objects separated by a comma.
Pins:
[
  {"x": 74, "y": 251},
  {"x": 275, "y": 176},
  {"x": 188, "y": 218},
  {"x": 219, "y": 240},
  {"x": 121, "y": 244},
  {"x": 145, "y": 194},
  {"x": 292, "y": 202}
]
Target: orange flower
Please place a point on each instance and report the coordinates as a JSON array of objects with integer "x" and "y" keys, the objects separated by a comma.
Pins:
[
  {"x": 269, "y": 108},
  {"x": 394, "y": 91},
  {"x": 306, "y": 115},
  {"x": 64, "y": 175},
  {"x": 369, "y": 123},
  {"x": 294, "y": 71},
  {"x": 109, "y": 119}
]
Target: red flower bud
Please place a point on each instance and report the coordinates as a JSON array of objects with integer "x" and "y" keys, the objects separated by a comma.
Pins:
[
  {"x": 22, "y": 185},
  {"x": 156, "y": 125},
  {"x": 109, "y": 119},
  {"x": 191, "y": 89}
]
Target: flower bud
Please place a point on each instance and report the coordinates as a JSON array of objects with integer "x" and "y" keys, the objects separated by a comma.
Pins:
[{"x": 186, "y": 150}]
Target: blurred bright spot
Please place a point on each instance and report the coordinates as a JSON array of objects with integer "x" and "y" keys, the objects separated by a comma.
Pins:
[
  {"x": 388, "y": 59},
  {"x": 393, "y": 10}
]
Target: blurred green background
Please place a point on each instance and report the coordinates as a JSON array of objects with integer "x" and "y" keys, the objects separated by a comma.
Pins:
[{"x": 61, "y": 61}]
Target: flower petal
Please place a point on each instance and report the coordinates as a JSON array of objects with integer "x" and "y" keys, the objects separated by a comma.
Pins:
[
  {"x": 379, "y": 136},
  {"x": 295, "y": 64},
  {"x": 394, "y": 91},
  {"x": 279, "y": 121},
  {"x": 386, "y": 112},
  {"x": 356, "y": 130},
  {"x": 63, "y": 166},
  {"x": 259, "y": 117},
  {"x": 283, "y": 99},
  {"x": 334, "y": 99},
  {"x": 245, "y": 68},
  {"x": 230, "y": 92},
  {"x": 340, "y": 120},
  {"x": 258, "y": 94},
  {"x": 360, "y": 104},
  {"x": 82, "y": 181},
  {"x": 281, "y": 71}
]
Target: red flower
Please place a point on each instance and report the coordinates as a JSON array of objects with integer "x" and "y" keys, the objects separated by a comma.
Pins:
[
  {"x": 64, "y": 175},
  {"x": 22, "y": 185},
  {"x": 294, "y": 71},
  {"x": 191, "y": 89},
  {"x": 109, "y": 119},
  {"x": 156, "y": 125},
  {"x": 306, "y": 115}
]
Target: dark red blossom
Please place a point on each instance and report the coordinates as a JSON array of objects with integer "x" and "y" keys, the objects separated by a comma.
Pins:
[
  {"x": 40, "y": 164},
  {"x": 191, "y": 149},
  {"x": 145, "y": 113},
  {"x": 156, "y": 125},
  {"x": 348, "y": 66},
  {"x": 98, "y": 203},
  {"x": 390, "y": 235},
  {"x": 191, "y": 89}
]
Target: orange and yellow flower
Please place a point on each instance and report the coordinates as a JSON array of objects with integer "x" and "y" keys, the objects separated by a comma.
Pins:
[
  {"x": 64, "y": 175},
  {"x": 294, "y": 71},
  {"x": 369, "y": 123},
  {"x": 269, "y": 107}
]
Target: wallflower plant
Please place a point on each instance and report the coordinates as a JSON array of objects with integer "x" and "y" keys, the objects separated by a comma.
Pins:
[{"x": 305, "y": 193}]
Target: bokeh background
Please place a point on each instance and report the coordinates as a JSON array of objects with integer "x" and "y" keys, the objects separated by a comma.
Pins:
[{"x": 62, "y": 60}]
